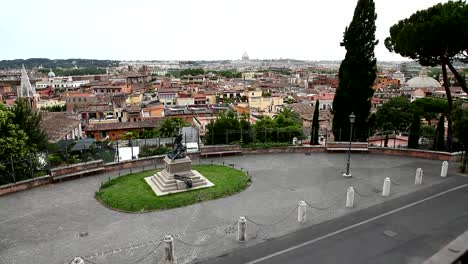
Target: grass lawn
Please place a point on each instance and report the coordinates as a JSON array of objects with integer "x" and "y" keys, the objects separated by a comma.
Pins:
[{"x": 131, "y": 193}]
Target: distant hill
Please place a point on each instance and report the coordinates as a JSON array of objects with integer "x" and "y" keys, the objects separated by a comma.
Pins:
[{"x": 54, "y": 64}]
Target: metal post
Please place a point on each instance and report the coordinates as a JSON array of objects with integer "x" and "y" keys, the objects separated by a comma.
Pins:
[
  {"x": 118, "y": 153},
  {"x": 348, "y": 174},
  {"x": 302, "y": 212},
  {"x": 386, "y": 187},
  {"x": 326, "y": 136},
  {"x": 242, "y": 229},
  {"x": 12, "y": 169},
  {"x": 241, "y": 136}
]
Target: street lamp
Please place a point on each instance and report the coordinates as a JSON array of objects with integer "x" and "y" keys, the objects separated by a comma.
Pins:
[{"x": 352, "y": 119}]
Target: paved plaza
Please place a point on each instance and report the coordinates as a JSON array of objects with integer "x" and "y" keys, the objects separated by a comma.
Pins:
[{"x": 55, "y": 223}]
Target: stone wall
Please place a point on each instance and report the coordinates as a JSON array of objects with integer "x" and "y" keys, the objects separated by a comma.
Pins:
[
  {"x": 24, "y": 185},
  {"x": 415, "y": 153},
  {"x": 76, "y": 167},
  {"x": 298, "y": 149}
]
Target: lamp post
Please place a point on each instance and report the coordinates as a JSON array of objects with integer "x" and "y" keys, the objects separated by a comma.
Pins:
[{"x": 352, "y": 118}]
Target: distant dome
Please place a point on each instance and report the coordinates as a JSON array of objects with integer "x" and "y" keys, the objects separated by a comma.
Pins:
[
  {"x": 51, "y": 74},
  {"x": 245, "y": 56},
  {"x": 423, "y": 81}
]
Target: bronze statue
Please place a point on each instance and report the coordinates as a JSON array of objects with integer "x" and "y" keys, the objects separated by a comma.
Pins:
[{"x": 178, "y": 149}]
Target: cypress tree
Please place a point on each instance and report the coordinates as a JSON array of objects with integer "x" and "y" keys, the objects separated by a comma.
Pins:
[
  {"x": 315, "y": 125},
  {"x": 440, "y": 132},
  {"x": 357, "y": 73},
  {"x": 413, "y": 140}
]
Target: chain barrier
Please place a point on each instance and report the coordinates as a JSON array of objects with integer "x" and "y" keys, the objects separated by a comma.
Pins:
[
  {"x": 136, "y": 262},
  {"x": 149, "y": 253},
  {"x": 360, "y": 194},
  {"x": 395, "y": 182},
  {"x": 274, "y": 223},
  {"x": 336, "y": 201},
  {"x": 206, "y": 244}
]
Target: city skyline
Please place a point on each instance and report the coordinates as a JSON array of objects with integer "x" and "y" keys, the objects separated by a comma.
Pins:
[{"x": 186, "y": 30}]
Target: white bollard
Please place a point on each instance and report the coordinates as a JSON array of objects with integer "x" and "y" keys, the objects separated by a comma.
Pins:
[
  {"x": 77, "y": 260},
  {"x": 242, "y": 229},
  {"x": 418, "y": 177},
  {"x": 444, "y": 169},
  {"x": 302, "y": 212},
  {"x": 350, "y": 197},
  {"x": 169, "y": 249},
  {"x": 387, "y": 183}
]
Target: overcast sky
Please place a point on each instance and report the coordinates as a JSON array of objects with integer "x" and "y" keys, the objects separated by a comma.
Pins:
[{"x": 188, "y": 29}]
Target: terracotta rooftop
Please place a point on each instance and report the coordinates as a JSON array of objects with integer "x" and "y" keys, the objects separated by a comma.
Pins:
[
  {"x": 58, "y": 124},
  {"x": 149, "y": 123}
]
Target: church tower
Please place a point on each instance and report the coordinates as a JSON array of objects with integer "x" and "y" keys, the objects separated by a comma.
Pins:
[{"x": 27, "y": 91}]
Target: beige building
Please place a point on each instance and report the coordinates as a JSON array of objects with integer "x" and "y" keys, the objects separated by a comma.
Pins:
[
  {"x": 263, "y": 103},
  {"x": 184, "y": 100},
  {"x": 135, "y": 98}
]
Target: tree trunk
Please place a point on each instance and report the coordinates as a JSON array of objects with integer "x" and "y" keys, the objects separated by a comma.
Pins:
[
  {"x": 461, "y": 80},
  {"x": 450, "y": 104}
]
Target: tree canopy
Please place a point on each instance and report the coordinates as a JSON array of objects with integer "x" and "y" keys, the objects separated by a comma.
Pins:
[
  {"x": 229, "y": 128},
  {"x": 396, "y": 114},
  {"x": 357, "y": 72},
  {"x": 314, "y": 133},
  {"x": 21, "y": 139},
  {"x": 434, "y": 36}
]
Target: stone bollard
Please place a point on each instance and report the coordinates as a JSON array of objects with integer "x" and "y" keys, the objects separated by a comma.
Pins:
[
  {"x": 387, "y": 183},
  {"x": 242, "y": 229},
  {"x": 350, "y": 197},
  {"x": 302, "y": 212},
  {"x": 77, "y": 260},
  {"x": 169, "y": 249},
  {"x": 444, "y": 169},
  {"x": 418, "y": 177}
]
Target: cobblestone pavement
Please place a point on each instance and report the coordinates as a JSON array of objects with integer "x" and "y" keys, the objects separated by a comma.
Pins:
[{"x": 55, "y": 223}]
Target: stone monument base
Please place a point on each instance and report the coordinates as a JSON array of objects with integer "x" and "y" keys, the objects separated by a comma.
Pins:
[{"x": 165, "y": 182}]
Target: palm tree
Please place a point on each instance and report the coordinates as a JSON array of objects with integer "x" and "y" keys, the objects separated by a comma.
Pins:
[
  {"x": 288, "y": 113},
  {"x": 170, "y": 126}
]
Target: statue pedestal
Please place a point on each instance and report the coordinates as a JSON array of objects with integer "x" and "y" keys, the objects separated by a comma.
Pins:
[{"x": 165, "y": 182}]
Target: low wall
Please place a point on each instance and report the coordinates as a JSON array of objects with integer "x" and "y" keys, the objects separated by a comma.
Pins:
[
  {"x": 296, "y": 149},
  {"x": 141, "y": 162},
  {"x": 76, "y": 167},
  {"x": 24, "y": 185},
  {"x": 426, "y": 154}
]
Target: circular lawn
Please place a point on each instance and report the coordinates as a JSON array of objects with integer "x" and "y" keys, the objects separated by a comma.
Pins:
[{"x": 131, "y": 193}]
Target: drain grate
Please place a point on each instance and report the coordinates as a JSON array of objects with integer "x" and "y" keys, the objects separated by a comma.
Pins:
[
  {"x": 230, "y": 230},
  {"x": 389, "y": 233}
]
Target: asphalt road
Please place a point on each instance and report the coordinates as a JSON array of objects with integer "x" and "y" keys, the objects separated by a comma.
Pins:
[{"x": 408, "y": 229}]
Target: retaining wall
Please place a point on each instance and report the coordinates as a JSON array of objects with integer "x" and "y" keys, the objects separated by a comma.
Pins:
[
  {"x": 426, "y": 154},
  {"x": 24, "y": 185}
]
